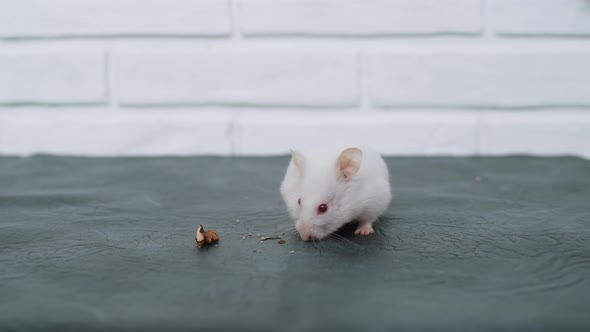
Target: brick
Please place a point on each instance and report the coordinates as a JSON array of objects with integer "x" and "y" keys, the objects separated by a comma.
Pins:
[
  {"x": 541, "y": 17},
  {"x": 52, "y": 78},
  {"x": 493, "y": 79},
  {"x": 103, "y": 132},
  {"x": 545, "y": 133},
  {"x": 238, "y": 78},
  {"x": 390, "y": 133},
  {"x": 63, "y": 18},
  {"x": 359, "y": 17}
]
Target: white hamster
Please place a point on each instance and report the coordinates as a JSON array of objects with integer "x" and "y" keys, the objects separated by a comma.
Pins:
[{"x": 325, "y": 189}]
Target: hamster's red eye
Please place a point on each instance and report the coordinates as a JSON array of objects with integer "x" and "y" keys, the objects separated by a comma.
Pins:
[
  {"x": 299, "y": 201},
  {"x": 322, "y": 208}
]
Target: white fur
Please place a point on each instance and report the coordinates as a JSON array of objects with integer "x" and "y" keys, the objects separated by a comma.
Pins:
[{"x": 363, "y": 197}]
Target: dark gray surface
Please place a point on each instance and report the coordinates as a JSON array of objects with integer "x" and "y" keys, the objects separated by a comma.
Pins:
[{"x": 108, "y": 244}]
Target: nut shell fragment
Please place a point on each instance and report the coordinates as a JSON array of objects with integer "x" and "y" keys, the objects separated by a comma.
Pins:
[
  {"x": 264, "y": 238},
  {"x": 208, "y": 237}
]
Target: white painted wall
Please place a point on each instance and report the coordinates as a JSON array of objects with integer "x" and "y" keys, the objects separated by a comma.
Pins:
[{"x": 256, "y": 77}]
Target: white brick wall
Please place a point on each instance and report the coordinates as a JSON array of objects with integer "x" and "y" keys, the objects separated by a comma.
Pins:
[
  {"x": 360, "y": 17},
  {"x": 254, "y": 78},
  {"x": 68, "y": 18},
  {"x": 52, "y": 78},
  {"x": 490, "y": 79},
  {"x": 542, "y": 17},
  {"x": 425, "y": 77}
]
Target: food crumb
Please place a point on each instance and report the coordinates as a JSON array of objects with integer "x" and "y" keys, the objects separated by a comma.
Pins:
[
  {"x": 283, "y": 233},
  {"x": 208, "y": 237},
  {"x": 282, "y": 241},
  {"x": 292, "y": 251},
  {"x": 264, "y": 238}
]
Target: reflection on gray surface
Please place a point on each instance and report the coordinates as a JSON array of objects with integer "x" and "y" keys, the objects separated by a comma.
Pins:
[{"x": 486, "y": 243}]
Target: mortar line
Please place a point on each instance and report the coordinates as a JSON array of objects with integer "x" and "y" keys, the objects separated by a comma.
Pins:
[
  {"x": 487, "y": 31},
  {"x": 235, "y": 20},
  {"x": 108, "y": 86},
  {"x": 364, "y": 103}
]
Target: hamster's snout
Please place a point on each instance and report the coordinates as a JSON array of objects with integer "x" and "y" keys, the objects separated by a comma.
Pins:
[
  {"x": 309, "y": 232},
  {"x": 305, "y": 231},
  {"x": 308, "y": 238},
  {"x": 305, "y": 237}
]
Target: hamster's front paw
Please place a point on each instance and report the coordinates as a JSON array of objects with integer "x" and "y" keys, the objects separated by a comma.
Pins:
[{"x": 364, "y": 228}]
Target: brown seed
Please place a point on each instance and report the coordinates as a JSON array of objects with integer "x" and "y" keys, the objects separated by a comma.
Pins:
[{"x": 282, "y": 241}]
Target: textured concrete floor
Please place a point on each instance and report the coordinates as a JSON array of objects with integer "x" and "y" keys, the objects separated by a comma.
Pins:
[{"x": 108, "y": 244}]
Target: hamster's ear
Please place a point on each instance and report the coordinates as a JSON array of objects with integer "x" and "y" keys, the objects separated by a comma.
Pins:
[
  {"x": 298, "y": 160},
  {"x": 349, "y": 163}
]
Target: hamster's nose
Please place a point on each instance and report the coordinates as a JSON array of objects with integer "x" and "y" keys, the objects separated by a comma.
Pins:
[
  {"x": 308, "y": 238},
  {"x": 305, "y": 232}
]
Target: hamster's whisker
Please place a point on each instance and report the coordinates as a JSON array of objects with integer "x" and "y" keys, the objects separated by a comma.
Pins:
[
  {"x": 339, "y": 238},
  {"x": 329, "y": 241},
  {"x": 316, "y": 243},
  {"x": 286, "y": 227},
  {"x": 334, "y": 242}
]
